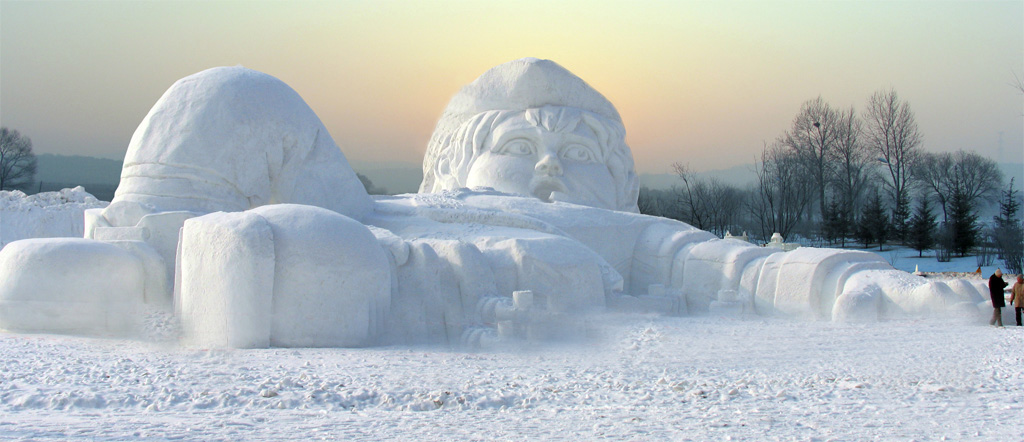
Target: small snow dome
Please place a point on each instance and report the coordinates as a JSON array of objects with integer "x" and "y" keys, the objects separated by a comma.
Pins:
[
  {"x": 531, "y": 127},
  {"x": 230, "y": 139}
]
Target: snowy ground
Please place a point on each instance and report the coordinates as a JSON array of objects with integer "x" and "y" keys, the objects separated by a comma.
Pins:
[{"x": 649, "y": 378}]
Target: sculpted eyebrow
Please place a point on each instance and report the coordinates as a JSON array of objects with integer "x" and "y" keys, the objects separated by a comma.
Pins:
[{"x": 513, "y": 134}]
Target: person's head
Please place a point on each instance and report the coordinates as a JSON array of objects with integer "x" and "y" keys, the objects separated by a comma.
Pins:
[
  {"x": 1020, "y": 278},
  {"x": 999, "y": 273},
  {"x": 530, "y": 127}
]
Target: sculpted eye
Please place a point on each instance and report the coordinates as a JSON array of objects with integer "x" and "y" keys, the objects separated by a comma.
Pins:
[
  {"x": 579, "y": 153},
  {"x": 518, "y": 147}
]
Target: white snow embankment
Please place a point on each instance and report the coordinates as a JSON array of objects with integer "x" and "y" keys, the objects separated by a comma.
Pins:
[{"x": 44, "y": 215}]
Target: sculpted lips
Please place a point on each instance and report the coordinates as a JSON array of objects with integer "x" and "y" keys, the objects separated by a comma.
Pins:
[{"x": 543, "y": 186}]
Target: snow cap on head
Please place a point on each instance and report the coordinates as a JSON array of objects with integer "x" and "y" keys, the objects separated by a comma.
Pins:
[{"x": 523, "y": 84}]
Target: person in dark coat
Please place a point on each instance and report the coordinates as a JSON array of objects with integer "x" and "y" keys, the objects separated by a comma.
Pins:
[{"x": 996, "y": 285}]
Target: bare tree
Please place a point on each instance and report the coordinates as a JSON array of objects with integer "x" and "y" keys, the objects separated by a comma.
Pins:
[
  {"x": 892, "y": 133},
  {"x": 707, "y": 204},
  {"x": 693, "y": 198},
  {"x": 965, "y": 175},
  {"x": 17, "y": 162},
  {"x": 813, "y": 137},
  {"x": 931, "y": 175},
  {"x": 782, "y": 191},
  {"x": 852, "y": 163}
]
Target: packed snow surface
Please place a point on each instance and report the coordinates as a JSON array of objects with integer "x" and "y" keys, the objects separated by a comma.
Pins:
[
  {"x": 637, "y": 377},
  {"x": 45, "y": 214}
]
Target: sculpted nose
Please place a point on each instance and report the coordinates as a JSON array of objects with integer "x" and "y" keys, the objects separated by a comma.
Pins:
[{"x": 549, "y": 165}]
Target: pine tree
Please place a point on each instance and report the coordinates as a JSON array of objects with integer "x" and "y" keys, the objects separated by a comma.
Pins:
[
  {"x": 922, "y": 227},
  {"x": 835, "y": 225},
  {"x": 873, "y": 226},
  {"x": 964, "y": 224},
  {"x": 1008, "y": 232}
]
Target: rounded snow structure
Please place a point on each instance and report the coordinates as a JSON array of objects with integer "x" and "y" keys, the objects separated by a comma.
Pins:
[
  {"x": 282, "y": 275},
  {"x": 230, "y": 139}
]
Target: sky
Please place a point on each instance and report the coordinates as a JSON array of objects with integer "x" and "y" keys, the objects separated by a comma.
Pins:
[{"x": 704, "y": 83}]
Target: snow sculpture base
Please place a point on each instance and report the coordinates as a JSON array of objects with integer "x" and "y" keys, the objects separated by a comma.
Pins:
[
  {"x": 281, "y": 275},
  {"x": 81, "y": 297}
]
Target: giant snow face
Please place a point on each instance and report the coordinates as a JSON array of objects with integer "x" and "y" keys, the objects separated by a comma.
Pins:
[
  {"x": 552, "y": 153},
  {"x": 530, "y": 127}
]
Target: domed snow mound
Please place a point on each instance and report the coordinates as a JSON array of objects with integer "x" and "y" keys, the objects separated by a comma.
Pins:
[{"x": 230, "y": 139}]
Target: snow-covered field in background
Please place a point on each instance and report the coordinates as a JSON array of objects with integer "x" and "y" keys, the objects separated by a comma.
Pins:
[
  {"x": 45, "y": 214},
  {"x": 639, "y": 378}
]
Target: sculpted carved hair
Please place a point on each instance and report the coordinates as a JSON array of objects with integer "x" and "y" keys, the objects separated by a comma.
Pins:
[{"x": 450, "y": 154}]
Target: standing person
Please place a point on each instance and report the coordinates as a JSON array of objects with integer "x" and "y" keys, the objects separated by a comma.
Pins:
[
  {"x": 995, "y": 290},
  {"x": 1017, "y": 297}
]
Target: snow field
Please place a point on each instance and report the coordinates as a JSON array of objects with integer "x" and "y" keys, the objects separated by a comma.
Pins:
[
  {"x": 647, "y": 378},
  {"x": 45, "y": 214}
]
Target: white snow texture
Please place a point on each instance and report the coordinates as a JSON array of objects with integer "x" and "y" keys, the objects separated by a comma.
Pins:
[{"x": 237, "y": 208}]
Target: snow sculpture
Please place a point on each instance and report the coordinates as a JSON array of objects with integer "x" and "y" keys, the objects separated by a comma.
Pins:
[
  {"x": 531, "y": 127},
  {"x": 283, "y": 275},
  {"x": 224, "y": 139},
  {"x": 46, "y": 287},
  {"x": 551, "y": 214}
]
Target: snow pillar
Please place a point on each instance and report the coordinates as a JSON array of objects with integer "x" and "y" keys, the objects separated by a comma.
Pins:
[{"x": 226, "y": 280}]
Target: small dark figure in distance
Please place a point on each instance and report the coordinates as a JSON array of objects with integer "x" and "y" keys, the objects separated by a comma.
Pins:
[{"x": 995, "y": 290}]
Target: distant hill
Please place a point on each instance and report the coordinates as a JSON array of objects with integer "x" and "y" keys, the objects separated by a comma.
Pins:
[
  {"x": 394, "y": 177},
  {"x": 99, "y": 176}
]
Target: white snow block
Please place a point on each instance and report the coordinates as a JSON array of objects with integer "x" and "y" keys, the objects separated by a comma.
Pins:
[
  {"x": 654, "y": 252},
  {"x": 226, "y": 280},
  {"x": 69, "y": 285},
  {"x": 330, "y": 276},
  {"x": 965, "y": 291},
  {"x": 563, "y": 275},
  {"x": 857, "y": 306},
  {"x": 281, "y": 275},
  {"x": 806, "y": 285},
  {"x": 716, "y": 265}
]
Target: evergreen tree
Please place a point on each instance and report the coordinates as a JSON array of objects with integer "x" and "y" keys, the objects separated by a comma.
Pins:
[
  {"x": 900, "y": 227},
  {"x": 963, "y": 224},
  {"x": 874, "y": 225},
  {"x": 922, "y": 227},
  {"x": 835, "y": 227},
  {"x": 1008, "y": 231}
]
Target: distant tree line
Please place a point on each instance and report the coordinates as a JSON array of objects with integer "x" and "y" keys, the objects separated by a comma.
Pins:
[{"x": 837, "y": 177}]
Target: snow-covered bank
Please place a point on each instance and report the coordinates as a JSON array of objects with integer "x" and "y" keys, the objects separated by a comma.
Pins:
[
  {"x": 640, "y": 378},
  {"x": 45, "y": 214}
]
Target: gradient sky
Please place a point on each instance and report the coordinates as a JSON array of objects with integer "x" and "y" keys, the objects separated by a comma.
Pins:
[{"x": 701, "y": 82}]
